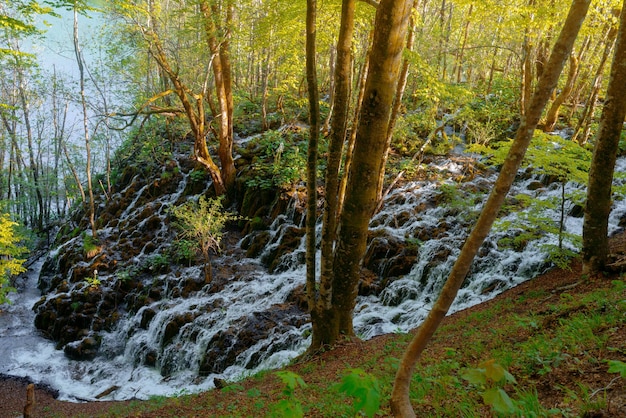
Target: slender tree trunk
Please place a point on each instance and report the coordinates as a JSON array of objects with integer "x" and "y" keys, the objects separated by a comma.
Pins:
[
  {"x": 81, "y": 71},
  {"x": 581, "y": 134},
  {"x": 353, "y": 132},
  {"x": 338, "y": 128},
  {"x": 318, "y": 322},
  {"x": 400, "y": 401},
  {"x": 553, "y": 112},
  {"x": 223, "y": 89},
  {"x": 595, "y": 226},
  {"x": 461, "y": 52}
]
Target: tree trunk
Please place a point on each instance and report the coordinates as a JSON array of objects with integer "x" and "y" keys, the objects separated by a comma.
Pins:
[
  {"x": 223, "y": 89},
  {"x": 461, "y": 52},
  {"x": 400, "y": 401},
  {"x": 553, "y": 112},
  {"x": 390, "y": 29},
  {"x": 395, "y": 110},
  {"x": 353, "y": 132},
  {"x": 311, "y": 211},
  {"x": 595, "y": 226},
  {"x": 83, "y": 99},
  {"x": 581, "y": 134},
  {"x": 338, "y": 128}
]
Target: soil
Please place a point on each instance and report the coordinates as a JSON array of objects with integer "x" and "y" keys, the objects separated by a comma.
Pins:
[{"x": 330, "y": 364}]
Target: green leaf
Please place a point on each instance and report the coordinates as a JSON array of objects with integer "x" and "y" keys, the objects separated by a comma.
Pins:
[
  {"x": 499, "y": 401},
  {"x": 287, "y": 408},
  {"x": 291, "y": 380},
  {"x": 365, "y": 390},
  {"x": 616, "y": 366},
  {"x": 475, "y": 376}
]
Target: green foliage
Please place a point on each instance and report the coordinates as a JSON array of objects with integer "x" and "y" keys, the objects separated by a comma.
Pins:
[
  {"x": 184, "y": 251},
  {"x": 202, "y": 223},
  {"x": 547, "y": 154},
  {"x": 90, "y": 245},
  {"x": 616, "y": 366},
  {"x": 279, "y": 161},
  {"x": 365, "y": 390},
  {"x": 93, "y": 281},
  {"x": 489, "y": 377},
  {"x": 158, "y": 262},
  {"x": 147, "y": 147},
  {"x": 11, "y": 251},
  {"x": 290, "y": 406}
]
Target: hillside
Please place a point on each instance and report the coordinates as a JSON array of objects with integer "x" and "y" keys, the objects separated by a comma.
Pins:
[{"x": 554, "y": 334}]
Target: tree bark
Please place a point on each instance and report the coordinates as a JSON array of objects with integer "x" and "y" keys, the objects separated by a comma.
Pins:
[
  {"x": 400, "y": 400},
  {"x": 221, "y": 73},
  {"x": 553, "y": 112},
  {"x": 81, "y": 71},
  {"x": 595, "y": 226},
  {"x": 318, "y": 324},
  {"x": 581, "y": 134},
  {"x": 390, "y": 29},
  {"x": 397, "y": 104},
  {"x": 338, "y": 128}
]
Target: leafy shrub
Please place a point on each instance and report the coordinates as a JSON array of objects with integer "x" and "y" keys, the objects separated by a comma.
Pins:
[
  {"x": 10, "y": 253},
  {"x": 202, "y": 223}
]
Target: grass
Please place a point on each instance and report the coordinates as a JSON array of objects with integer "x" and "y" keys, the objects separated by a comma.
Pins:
[{"x": 554, "y": 334}]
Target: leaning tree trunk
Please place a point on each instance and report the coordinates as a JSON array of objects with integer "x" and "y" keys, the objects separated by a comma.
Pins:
[
  {"x": 400, "y": 400},
  {"x": 598, "y": 207}
]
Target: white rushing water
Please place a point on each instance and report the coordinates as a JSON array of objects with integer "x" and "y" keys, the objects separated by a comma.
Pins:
[{"x": 400, "y": 307}]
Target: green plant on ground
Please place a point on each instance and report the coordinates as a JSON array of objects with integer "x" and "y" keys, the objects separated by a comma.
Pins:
[
  {"x": 290, "y": 406},
  {"x": 93, "y": 281},
  {"x": 90, "y": 245},
  {"x": 365, "y": 390}
]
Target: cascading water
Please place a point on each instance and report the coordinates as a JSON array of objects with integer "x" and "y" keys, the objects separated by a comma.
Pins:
[{"x": 183, "y": 340}]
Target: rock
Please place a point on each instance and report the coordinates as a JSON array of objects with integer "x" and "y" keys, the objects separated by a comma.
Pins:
[
  {"x": 224, "y": 348},
  {"x": 84, "y": 349}
]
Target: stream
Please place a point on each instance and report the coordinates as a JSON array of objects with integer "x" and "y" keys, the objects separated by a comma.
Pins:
[{"x": 410, "y": 213}]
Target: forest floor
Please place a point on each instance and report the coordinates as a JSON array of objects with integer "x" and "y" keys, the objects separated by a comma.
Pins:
[{"x": 553, "y": 333}]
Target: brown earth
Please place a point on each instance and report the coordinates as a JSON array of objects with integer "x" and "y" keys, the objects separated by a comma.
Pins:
[{"x": 328, "y": 366}]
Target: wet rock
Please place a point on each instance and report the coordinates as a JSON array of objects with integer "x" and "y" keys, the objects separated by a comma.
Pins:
[
  {"x": 389, "y": 256},
  {"x": 224, "y": 348},
  {"x": 255, "y": 243},
  {"x": 84, "y": 349},
  {"x": 146, "y": 317},
  {"x": 290, "y": 240}
]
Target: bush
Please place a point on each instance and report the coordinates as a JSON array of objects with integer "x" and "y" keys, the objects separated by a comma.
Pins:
[{"x": 10, "y": 253}]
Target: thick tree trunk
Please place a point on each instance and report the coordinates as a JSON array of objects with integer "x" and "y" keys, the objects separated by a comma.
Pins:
[
  {"x": 400, "y": 401},
  {"x": 397, "y": 105},
  {"x": 390, "y": 29},
  {"x": 598, "y": 207}
]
